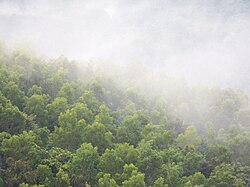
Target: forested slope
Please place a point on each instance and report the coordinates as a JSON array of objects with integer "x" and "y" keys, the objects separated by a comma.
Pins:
[{"x": 65, "y": 123}]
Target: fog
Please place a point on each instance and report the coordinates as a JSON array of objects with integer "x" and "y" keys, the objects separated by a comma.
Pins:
[{"x": 200, "y": 41}]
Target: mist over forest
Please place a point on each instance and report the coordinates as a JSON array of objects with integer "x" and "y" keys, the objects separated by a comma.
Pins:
[
  {"x": 124, "y": 93},
  {"x": 199, "y": 41}
]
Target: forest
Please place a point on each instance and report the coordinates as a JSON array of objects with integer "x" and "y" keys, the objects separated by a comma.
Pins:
[{"x": 65, "y": 123}]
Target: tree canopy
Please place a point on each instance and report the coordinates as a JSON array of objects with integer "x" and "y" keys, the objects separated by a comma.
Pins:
[{"x": 64, "y": 123}]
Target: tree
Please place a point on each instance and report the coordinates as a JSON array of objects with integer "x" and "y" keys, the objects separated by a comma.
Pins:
[
  {"x": 137, "y": 180},
  {"x": 43, "y": 173},
  {"x": 132, "y": 177},
  {"x": 98, "y": 135},
  {"x": 42, "y": 136},
  {"x": 36, "y": 105},
  {"x": 22, "y": 147},
  {"x": 215, "y": 155},
  {"x": 112, "y": 161},
  {"x": 58, "y": 106},
  {"x": 149, "y": 162},
  {"x": 105, "y": 180},
  {"x": 62, "y": 179},
  {"x": 97, "y": 89},
  {"x": 192, "y": 162},
  {"x": 173, "y": 155},
  {"x": 242, "y": 172},
  {"x": 68, "y": 91},
  {"x": 90, "y": 100},
  {"x": 240, "y": 149},
  {"x": 104, "y": 117},
  {"x": 172, "y": 173},
  {"x": 84, "y": 164},
  {"x": 21, "y": 154},
  {"x": 7, "y": 75},
  {"x": 161, "y": 138},
  {"x": 188, "y": 138},
  {"x": 15, "y": 95},
  {"x": 160, "y": 182},
  {"x": 55, "y": 81},
  {"x": 35, "y": 90},
  {"x": 130, "y": 130},
  {"x": 68, "y": 134},
  {"x": 18, "y": 171},
  {"x": 56, "y": 159},
  {"x": 83, "y": 112},
  {"x": 127, "y": 153},
  {"x": 12, "y": 119},
  {"x": 197, "y": 179},
  {"x": 223, "y": 176}
]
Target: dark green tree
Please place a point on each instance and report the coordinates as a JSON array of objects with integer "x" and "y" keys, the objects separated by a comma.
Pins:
[
  {"x": 36, "y": 105},
  {"x": 98, "y": 135},
  {"x": 84, "y": 164}
]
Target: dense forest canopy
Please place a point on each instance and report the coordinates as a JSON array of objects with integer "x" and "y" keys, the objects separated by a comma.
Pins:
[
  {"x": 65, "y": 123},
  {"x": 157, "y": 94}
]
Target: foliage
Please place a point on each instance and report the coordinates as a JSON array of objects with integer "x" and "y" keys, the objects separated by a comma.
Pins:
[{"x": 68, "y": 124}]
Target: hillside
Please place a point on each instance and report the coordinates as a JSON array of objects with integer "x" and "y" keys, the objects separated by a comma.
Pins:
[{"x": 65, "y": 123}]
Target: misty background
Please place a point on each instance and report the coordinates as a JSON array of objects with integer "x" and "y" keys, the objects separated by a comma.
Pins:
[{"x": 199, "y": 41}]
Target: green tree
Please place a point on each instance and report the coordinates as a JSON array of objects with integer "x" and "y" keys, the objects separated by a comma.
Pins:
[
  {"x": 90, "y": 100},
  {"x": 43, "y": 173},
  {"x": 105, "y": 180},
  {"x": 83, "y": 112},
  {"x": 36, "y": 105},
  {"x": 68, "y": 91},
  {"x": 18, "y": 171},
  {"x": 42, "y": 138},
  {"x": 55, "y": 81},
  {"x": 56, "y": 159},
  {"x": 160, "y": 182},
  {"x": 20, "y": 155},
  {"x": 112, "y": 161},
  {"x": 239, "y": 146},
  {"x": 12, "y": 119},
  {"x": 223, "y": 176},
  {"x": 132, "y": 177},
  {"x": 98, "y": 135},
  {"x": 68, "y": 134},
  {"x": 172, "y": 173},
  {"x": 104, "y": 116},
  {"x": 197, "y": 179},
  {"x": 161, "y": 138},
  {"x": 192, "y": 162},
  {"x": 84, "y": 164},
  {"x": 58, "y": 106},
  {"x": 15, "y": 95},
  {"x": 215, "y": 155},
  {"x": 173, "y": 155},
  {"x": 137, "y": 180},
  {"x": 62, "y": 179},
  {"x": 7, "y": 75},
  {"x": 149, "y": 162},
  {"x": 130, "y": 130},
  {"x": 188, "y": 138},
  {"x": 242, "y": 172},
  {"x": 22, "y": 147},
  {"x": 35, "y": 90}
]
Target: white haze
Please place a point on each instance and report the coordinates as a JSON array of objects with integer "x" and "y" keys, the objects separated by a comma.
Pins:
[{"x": 201, "y": 41}]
